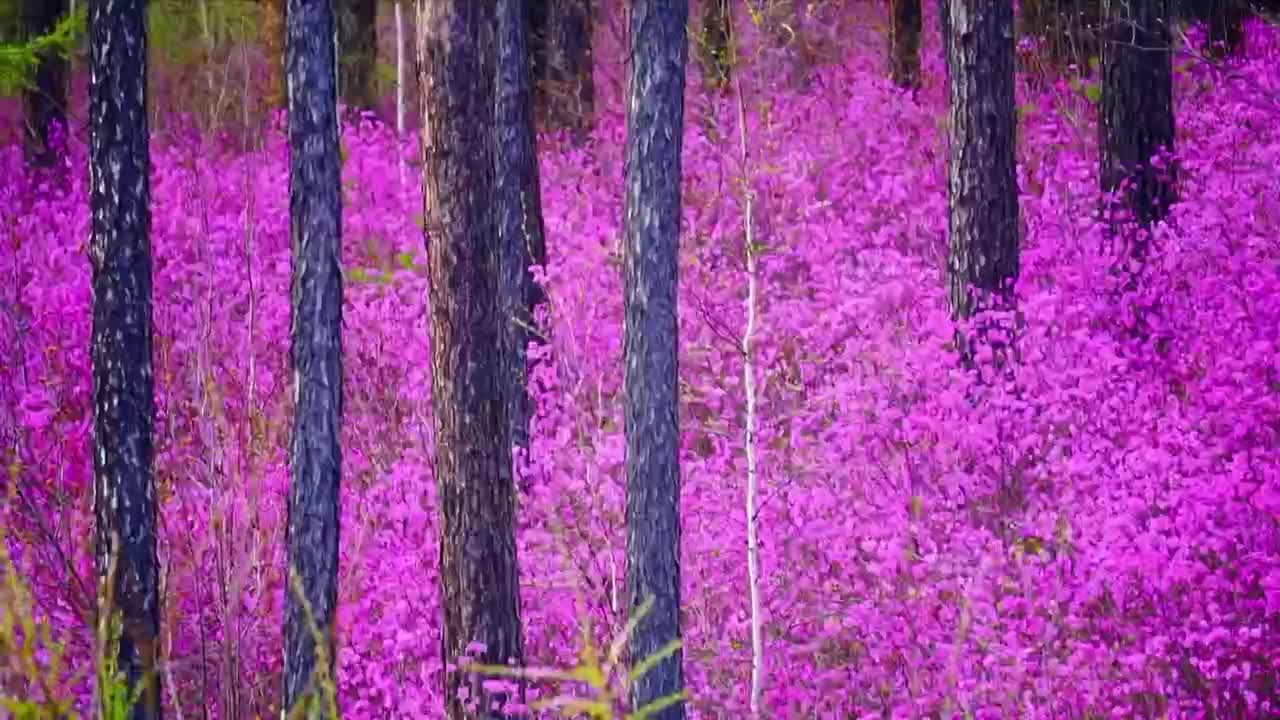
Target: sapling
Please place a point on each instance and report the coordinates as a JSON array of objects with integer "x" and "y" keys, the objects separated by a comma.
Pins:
[{"x": 749, "y": 389}]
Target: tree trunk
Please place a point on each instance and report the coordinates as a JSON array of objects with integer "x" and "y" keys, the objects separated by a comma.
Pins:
[
  {"x": 123, "y": 386},
  {"x": 315, "y": 455},
  {"x": 562, "y": 62},
  {"x": 518, "y": 204},
  {"x": 981, "y": 182},
  {"x": 717, "y": 33},
  {"x": 400, "y": 69},
  {"x": 478, "y": 565},
  {"x": 45, "y": 103},
  {"x": 1136, "y": 113},
  {"x": 273, "y": 23},
  {"x": 655, "y": 123},
  {"x": 944, "y": 28},
  {"x": 358, "y": 50},
  {"x": 904, "y": 39}
]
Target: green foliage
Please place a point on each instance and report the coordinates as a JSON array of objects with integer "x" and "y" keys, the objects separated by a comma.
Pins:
[
  {"x": 113, "y": 690},
  {"x": 598, "y": 674},
  {"x": 18, "y": 61},
  {"x": 22, "y": 640},
  {"x": 181, "y": 30},
  {"x": 324, "y": 707}
]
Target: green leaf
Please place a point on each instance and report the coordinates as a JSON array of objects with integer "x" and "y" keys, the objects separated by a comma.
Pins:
[
  {"x": 657, "y": 706},
  {"x": 652, "y": 661},
  {"x": 1094, "y": 93},
  {"x": 405, "y": 259}
]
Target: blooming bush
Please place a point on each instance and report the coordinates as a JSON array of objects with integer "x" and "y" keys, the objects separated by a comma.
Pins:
[{"x": 1095, "y": 537}]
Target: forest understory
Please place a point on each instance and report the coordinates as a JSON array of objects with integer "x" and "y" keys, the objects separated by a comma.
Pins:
[{"x": 1095, "y": 533}]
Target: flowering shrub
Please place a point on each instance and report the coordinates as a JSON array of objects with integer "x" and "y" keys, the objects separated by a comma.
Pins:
[{"x": 1096, "y": 537}]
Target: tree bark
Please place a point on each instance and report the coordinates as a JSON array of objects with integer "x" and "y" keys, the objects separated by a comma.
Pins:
[
  {"x": 315, "y": 207},
  {"x": 358, "y": 48},
  {"x": 518, "y": 204},
  {"x": 273, "y": 31},
  {"x": 717, "y": 34},
  {"x": 562, "y": 62},
  {"x": 478, "y": 565},
  {"x": 981, "y": 182},
  {"x": 123, "y": 386},
  {"x": 400, "y": 70},
  {"x": 45, "y": 103},
  {"x": 944, "y": 27},
  {"x": 904, "y": 40},
  {"x": 655, "y": 124},
  {"x": 1136, "y": 114}
]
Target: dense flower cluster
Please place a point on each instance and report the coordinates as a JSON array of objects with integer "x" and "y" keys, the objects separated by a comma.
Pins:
[{"x": 1096, "y": 537}]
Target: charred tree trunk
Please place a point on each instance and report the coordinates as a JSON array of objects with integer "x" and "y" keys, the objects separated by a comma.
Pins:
[
  {"x": 904, "y": 40},
  {"x": 1136, "y": 115},
  {"x": 273, "y": 24},
  {"x": 358, "y": 50},
  {"x": 315, "y": 455},
  {"x": 478, "y": 564},
  {"x": 981, "y": 182},
  {"x": 45, "y": 103},
  {"x": 124, "y": 494},
  {"x": 717, "y": 34},
  {"x": 655, "y": 123},
  {"x": 562, "y": 62},
  {"x": 518, "y": 204},
  {"x": 944, "y": 23}
]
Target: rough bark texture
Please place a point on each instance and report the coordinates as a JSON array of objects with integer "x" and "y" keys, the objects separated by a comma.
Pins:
[
  {"x": 1068, "y": 28},
  {"x": 358, "y": 52},
  {"x": 315, "y": 208},
  {"x": 981, "y": 183},
  {"x": 904, "y": 39},
  {"x": 944, "y": 27},
  {"x": 717, "y": 33},
  {"x": 478, "y": 565},
  {"x": 562, "y": 62},
  {"x": 123, "y": 387},
  {"x": 655, "y": 124},
  {"x": 1136, "y": 115},
  {"x": 273, "y": 24},
  {"x": 518, "y": 204},
  {"x": 45, "y": 103}
]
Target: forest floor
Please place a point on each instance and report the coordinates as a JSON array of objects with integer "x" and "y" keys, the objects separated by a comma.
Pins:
[{"x": 1096, "y": 537}]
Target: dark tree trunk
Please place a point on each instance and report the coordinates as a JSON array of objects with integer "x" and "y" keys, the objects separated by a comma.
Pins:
[
  {"x": 717, "y": 34},
  {"x": 1136, "y": 115},
  {"x": 562, "y": 62},
  {"x": 944, "y": 27},
  {"x": 518, "y": 204},
  {"x": 45, "y": 103},
  {"x": 478, "y": 565},
  {"x": 904, "y": 38},
  {"x": 123, "y": 387},
  {"x": 358, "y": 50},
  {"x": 315, "y": 209},
  {"x": 273, "y": 31},
  {"x": 981, "y": 183},
  {"x": 655, "y": 125}
]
